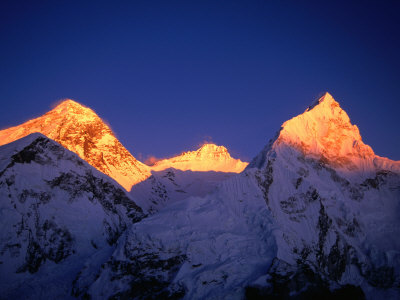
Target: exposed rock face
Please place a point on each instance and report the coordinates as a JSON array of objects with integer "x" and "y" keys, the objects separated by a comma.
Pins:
[
  {"x": 80, "y": 130},
  {"x": 58, "y": 216},
  {"x": 208, "y": 157}
]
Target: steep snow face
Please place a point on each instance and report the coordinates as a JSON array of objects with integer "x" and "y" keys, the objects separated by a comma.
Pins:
[
  {"x": 199, "y": 248},
  {"x": 209, "y": 157},
  {"x": 59, "y": 217},
  {"x": 171, "y": 185},
  {"x": 336, "y": 204},
  {"x": 80, "y": 130}
]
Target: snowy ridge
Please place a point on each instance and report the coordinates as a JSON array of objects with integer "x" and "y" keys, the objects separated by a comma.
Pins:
[
  {"x": 208, "y": 157},
  {"x": 80, "y": 130},
  {"x": 60, "y": 219}
]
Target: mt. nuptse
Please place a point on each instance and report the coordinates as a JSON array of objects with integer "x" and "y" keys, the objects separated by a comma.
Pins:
[{"x": 316, "y": 214}]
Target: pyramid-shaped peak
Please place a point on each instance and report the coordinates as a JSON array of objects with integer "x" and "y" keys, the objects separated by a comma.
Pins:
[
  {"x": 326, "y": 100},
  {"x": 324, "y": 110},
  {"x": 326, "y": 97},
  {"x": 80, "y": 130},
  {"x": 324, "y": 130},
  {"x": 71, "y": 106},
  {"x": 71, "y": 109},
  {"x": 69, "y": 102}
]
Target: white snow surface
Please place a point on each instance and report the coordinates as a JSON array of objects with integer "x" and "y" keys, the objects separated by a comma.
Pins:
[
  {"x": 226, "y": 239},
  {"x": 168, "y": 186}
]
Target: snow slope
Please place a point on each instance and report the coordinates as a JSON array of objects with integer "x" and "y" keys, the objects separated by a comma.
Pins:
[
  {"x": 165, "y": 187},
  {"x": 80, "y": 130},
  {"x": 59, "y": 217},
  {"x": 197, "y": 248}
]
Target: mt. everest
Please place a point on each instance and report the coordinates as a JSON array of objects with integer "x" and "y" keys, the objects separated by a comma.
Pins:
[{"x": 80, "y": 130}]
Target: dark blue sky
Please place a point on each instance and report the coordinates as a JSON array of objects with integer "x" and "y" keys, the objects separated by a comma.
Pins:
[{"x": 168, "y": 75}]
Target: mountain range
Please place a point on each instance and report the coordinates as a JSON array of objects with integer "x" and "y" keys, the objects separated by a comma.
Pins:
[{"x": 315, "y": 214}]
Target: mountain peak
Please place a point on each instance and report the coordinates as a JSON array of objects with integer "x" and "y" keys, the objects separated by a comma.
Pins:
[
  {"x": 212, "y": 149},
  {"x": 69, "y": 106},
  {"x": 324, "y": 131},
  {"x": 209, "y": 157},
  {"x": 68, "y": 102},
  {"x": 326, "y": 100},
  {"x": 81, "y": 130}
]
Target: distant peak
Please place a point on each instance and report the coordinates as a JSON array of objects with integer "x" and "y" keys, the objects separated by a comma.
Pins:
[
  {"x": 209, "y": 147},
  {"x": 209, "y": 157}
]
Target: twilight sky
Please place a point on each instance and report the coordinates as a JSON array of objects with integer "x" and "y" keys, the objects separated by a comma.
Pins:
[{"x": 169, "y": 75}]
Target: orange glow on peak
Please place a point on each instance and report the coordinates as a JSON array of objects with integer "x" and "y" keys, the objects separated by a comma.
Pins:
[
  {"x": 81, "y": 130},
  {"x": 209, "y": 157}
]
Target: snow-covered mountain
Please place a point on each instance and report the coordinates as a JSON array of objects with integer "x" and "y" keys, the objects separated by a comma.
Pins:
[
  {"x": 316, "y": 214},
  {"x": 324, "y": 132},
  {"x": 193, "y": 173},
  {"x": 60, "y": 220},
  {"x": 335, "y": 202},
  {"x": 81, "y": 130},
  {"x": 208, "y": 157}
]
